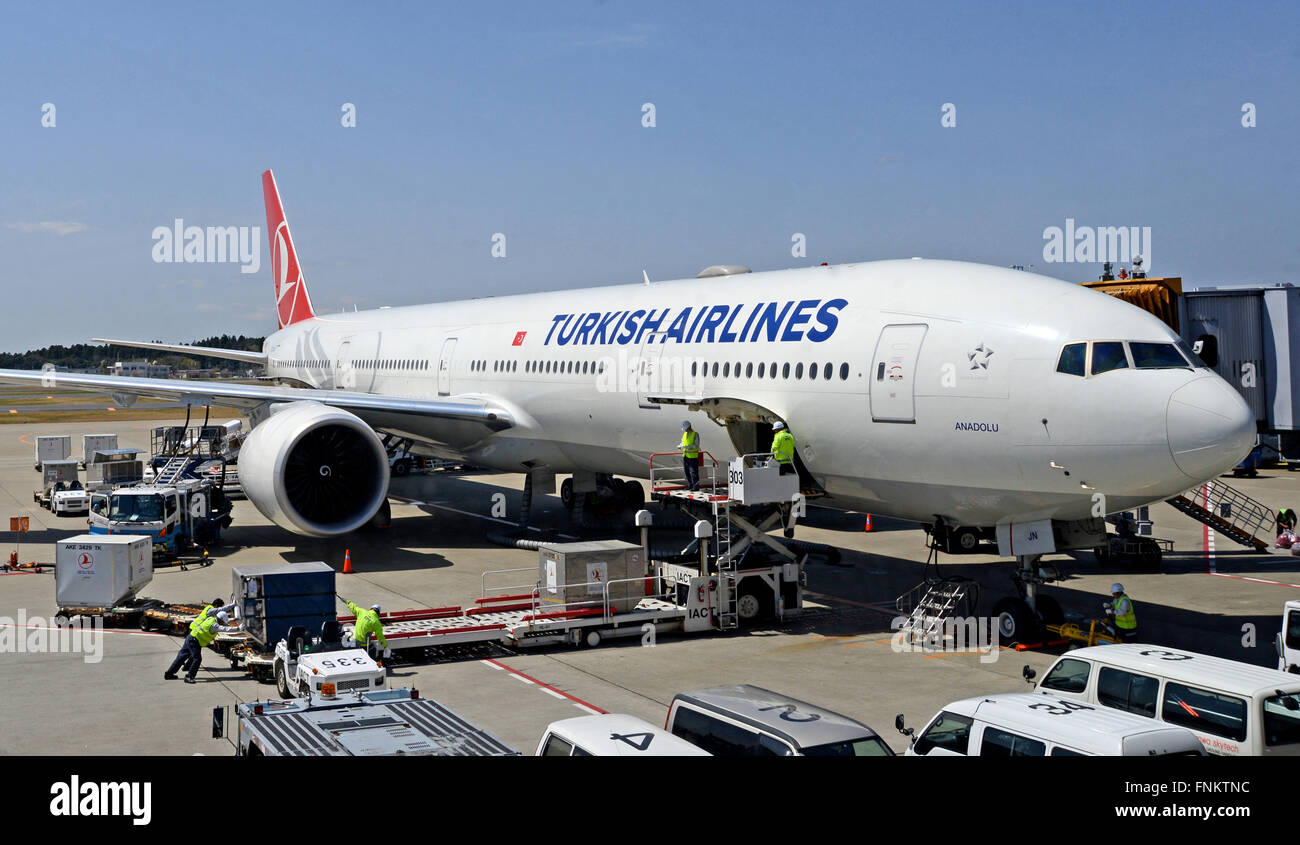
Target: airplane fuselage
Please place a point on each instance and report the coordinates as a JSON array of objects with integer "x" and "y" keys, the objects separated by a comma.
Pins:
[{"x": 913, "y": 388}]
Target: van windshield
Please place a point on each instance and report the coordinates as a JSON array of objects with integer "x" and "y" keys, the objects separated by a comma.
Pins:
[
  {"x": 1281, "y": 725},
  {"x": 870, "y": 746}
]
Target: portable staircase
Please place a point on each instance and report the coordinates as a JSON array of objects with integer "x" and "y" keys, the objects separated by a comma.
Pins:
[
  {"x": 1230, "y": 512},
  {"x": 929, "y": 605}
]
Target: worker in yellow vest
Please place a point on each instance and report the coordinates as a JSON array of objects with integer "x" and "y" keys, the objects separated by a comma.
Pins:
[
  {"x": 217, "y": 606},
  {"x": 367, "y": 623},
  {"x": 690, "y": 449},
  {"x": 1126, "y": 621},
  {"x": 202, "y": 633},
  {"x": 783, "y": 447}
]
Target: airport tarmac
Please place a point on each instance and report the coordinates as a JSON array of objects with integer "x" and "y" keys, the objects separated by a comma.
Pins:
[{"x": 836, "y": 654}]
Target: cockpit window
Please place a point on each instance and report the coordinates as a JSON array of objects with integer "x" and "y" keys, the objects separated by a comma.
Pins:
[
  {"x": 1072, "y": 357},
  {"x": 1107, "y": 356},
  {"x": 1156, "y": 356}
]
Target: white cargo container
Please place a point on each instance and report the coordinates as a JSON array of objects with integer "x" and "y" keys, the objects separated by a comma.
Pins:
[
  {"x": 101, "y": 570},
  {"x": 92, "y": 443},
  {"x": 52, "y": 447}
]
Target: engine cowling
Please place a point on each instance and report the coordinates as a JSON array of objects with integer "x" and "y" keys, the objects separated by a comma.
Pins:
[{"x": 314, "y": 469}]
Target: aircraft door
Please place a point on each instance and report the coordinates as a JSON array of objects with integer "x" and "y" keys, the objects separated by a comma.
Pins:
[
  {"x": 345, "y": 377},
  {"x": 444, "y": 366},
  {"x": 893, "y": 376},
  {"x": 650, "y": 377}
]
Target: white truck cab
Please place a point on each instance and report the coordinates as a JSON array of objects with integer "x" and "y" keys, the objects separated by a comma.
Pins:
[
  {"x": 1288, "y": 639},
  {"x": 304, "y": 665},
  {"x": 612, "y": 735},
  {"x": 1029, "y": 725}
]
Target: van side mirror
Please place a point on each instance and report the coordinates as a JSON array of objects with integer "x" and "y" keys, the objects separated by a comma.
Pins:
[
  {"x": 1289, "y": 702},
  {"x": 898, "y": 726},
  {"x": 1028, "y": 674},
  {"x": 218, "y": 722}
]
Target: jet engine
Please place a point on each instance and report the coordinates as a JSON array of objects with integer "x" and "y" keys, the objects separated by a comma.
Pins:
[{"x": 314, "y": 470}]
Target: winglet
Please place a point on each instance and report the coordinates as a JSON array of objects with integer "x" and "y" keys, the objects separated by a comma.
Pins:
[{"x": 293, "y": 303}]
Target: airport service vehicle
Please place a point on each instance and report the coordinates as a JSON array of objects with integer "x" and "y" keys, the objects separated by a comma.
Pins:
[
  {"x": 304, "y": 664},
  {"x": 52, "y": 447},
  {"x": 945, "y": 392},
  {"x": 749, "y": 721},
  {"x": 61, "y": 491},
  {"x": 1288, "y": 639},
  {"x": 188, "y": 514},
  {"x": 355, "y": 724},
  {"x": 110, "y": 468},
  {"x": 611, "y": 735},
  {"x": 1029, "y": 725},
  {"x": 1234, "y": 708}
]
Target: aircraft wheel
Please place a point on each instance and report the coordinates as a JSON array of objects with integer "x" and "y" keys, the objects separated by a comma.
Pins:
[
  {"x": 566, "y": 493},
  {"x": 1149, "y": 554},
  {"x": 1049, "y": 610},
  {"x": 963, "y": 541},
  {"x": 633, "y": 494},
  {"x": 1016, "y": 622},
  {"x": 1102, "y": 553}
]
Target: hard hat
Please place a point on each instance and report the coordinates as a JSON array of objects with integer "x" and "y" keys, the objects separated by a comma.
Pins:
[
  {"x": 375, "y": 608},
  {"x": 1117, "y": 587},
  {"x": 778, "y": 425},
  {"x": 686, "y": 425},
  {"x": 222, "y": 617}
]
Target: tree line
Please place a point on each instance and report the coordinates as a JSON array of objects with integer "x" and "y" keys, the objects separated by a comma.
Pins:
[{"x": 101, "y": 357}]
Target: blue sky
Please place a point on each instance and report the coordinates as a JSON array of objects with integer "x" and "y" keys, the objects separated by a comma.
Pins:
[{"x": 526, "y": 119}]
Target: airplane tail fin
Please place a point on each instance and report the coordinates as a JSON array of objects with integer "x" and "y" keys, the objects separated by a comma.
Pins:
[{"x": 293, "y": 303}]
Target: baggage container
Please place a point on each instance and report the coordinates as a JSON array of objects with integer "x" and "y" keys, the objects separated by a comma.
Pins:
[
  {"x": 573, "y": 576},
  {"x": 94, "y": 570},
  {"x": 53, "y": 447},
  {"x": 274, "y": 597},
  {"x": 92, "y": 443}
]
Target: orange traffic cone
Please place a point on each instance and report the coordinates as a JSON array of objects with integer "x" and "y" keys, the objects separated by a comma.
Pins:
[
  {"x": 347, "y": 561},
  {"x": 868, "y": 525}
]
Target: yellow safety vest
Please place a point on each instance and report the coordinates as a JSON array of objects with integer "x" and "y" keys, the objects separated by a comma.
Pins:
[
  {"x": 690, "y": 444},
  {"x": 366, "y": 624},
  {"x": 783, "y": 446},
  {"x": 203, "y": 631},
  {"x": 1128, "y": 620},
  {"x": 207, "y": 611}
]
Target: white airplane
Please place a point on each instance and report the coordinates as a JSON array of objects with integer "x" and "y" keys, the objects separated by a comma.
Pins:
[{"x": 944, "y": 392}]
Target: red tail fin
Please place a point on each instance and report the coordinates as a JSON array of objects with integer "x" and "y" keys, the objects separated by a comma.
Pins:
[{"x": 292, "y": 300}]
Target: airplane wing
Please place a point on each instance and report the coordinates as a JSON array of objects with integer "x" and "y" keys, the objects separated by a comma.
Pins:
[
  {"x": 204, "y": 351},
  {"x": 375, "y": 410}
]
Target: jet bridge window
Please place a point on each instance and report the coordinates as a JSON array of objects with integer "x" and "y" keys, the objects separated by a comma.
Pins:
[
  {"x": 1072, "y": 359},
  {"x": 1108, "y": 355},
  {"x": 1156, "y": 356}
]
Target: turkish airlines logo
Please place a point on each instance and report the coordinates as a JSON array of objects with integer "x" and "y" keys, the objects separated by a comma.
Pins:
[
  {"x": 287, "y": 275},
  {"x": 519, "y": 339},
  {"x": 86, "y": 560}
]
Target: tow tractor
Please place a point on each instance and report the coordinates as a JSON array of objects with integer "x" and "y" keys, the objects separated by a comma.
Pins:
[
  {"x": 334, "y": 723},
  {"x": 731, "y": 572},
  {"x": 1088, "y": 632},
  {"x": 61, "y": 490},
  {"x": 304, "y": 665}
]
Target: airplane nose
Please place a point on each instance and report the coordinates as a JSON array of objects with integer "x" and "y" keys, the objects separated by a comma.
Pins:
[{"x": 1211, "y": 428}]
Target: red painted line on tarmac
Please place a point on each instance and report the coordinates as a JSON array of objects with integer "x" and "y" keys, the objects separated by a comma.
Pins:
[{"x": 578, "y": 701}]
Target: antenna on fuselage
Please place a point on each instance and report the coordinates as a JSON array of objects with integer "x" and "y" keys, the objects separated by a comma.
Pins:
[{"x": 646, "y": 276}]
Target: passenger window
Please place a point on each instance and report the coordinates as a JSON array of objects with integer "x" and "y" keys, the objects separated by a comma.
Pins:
[
  {"x": 1058, "y": 751},
  {"x": 826, "y": 371},
  {"x": 1156, "y": 356},
  {"x": 1069, "y": 675},
  {"x": 1202, "y": 710},
  {"x": 1108, "y": 356},
  {"x": 785, "y": 370},
  {"x": 844, "y": 372},
  {"x": 1127, "y": 691},
  {"x": 1282, "y": 723},
  {"x": 749, "y": 370},
  {"x": 1293, "y": 629},
  {"x": 812, "y": 371},
  {"x": 998, "y": 743},
  {"x": 556, "y": 747},
  {"x": 1072, "y": 356},
  {"x": 798, "y": 370},
  {"x": 719, "y": 738},
  {"x": 773, "y": 370},
  {"x": 949, "y": 731}
]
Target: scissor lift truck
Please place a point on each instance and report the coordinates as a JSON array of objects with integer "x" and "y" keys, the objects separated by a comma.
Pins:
[{"x": 355, "y": 724}]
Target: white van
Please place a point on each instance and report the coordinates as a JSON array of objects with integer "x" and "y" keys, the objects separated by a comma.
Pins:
[
  {"x": 1288, "y": 640},
  {"x": 612, "y": 735},
  {"x": 1027, "y": 725},
  {"x": 748, "y": 721},
  {"x": 1233, "y": 708}
]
